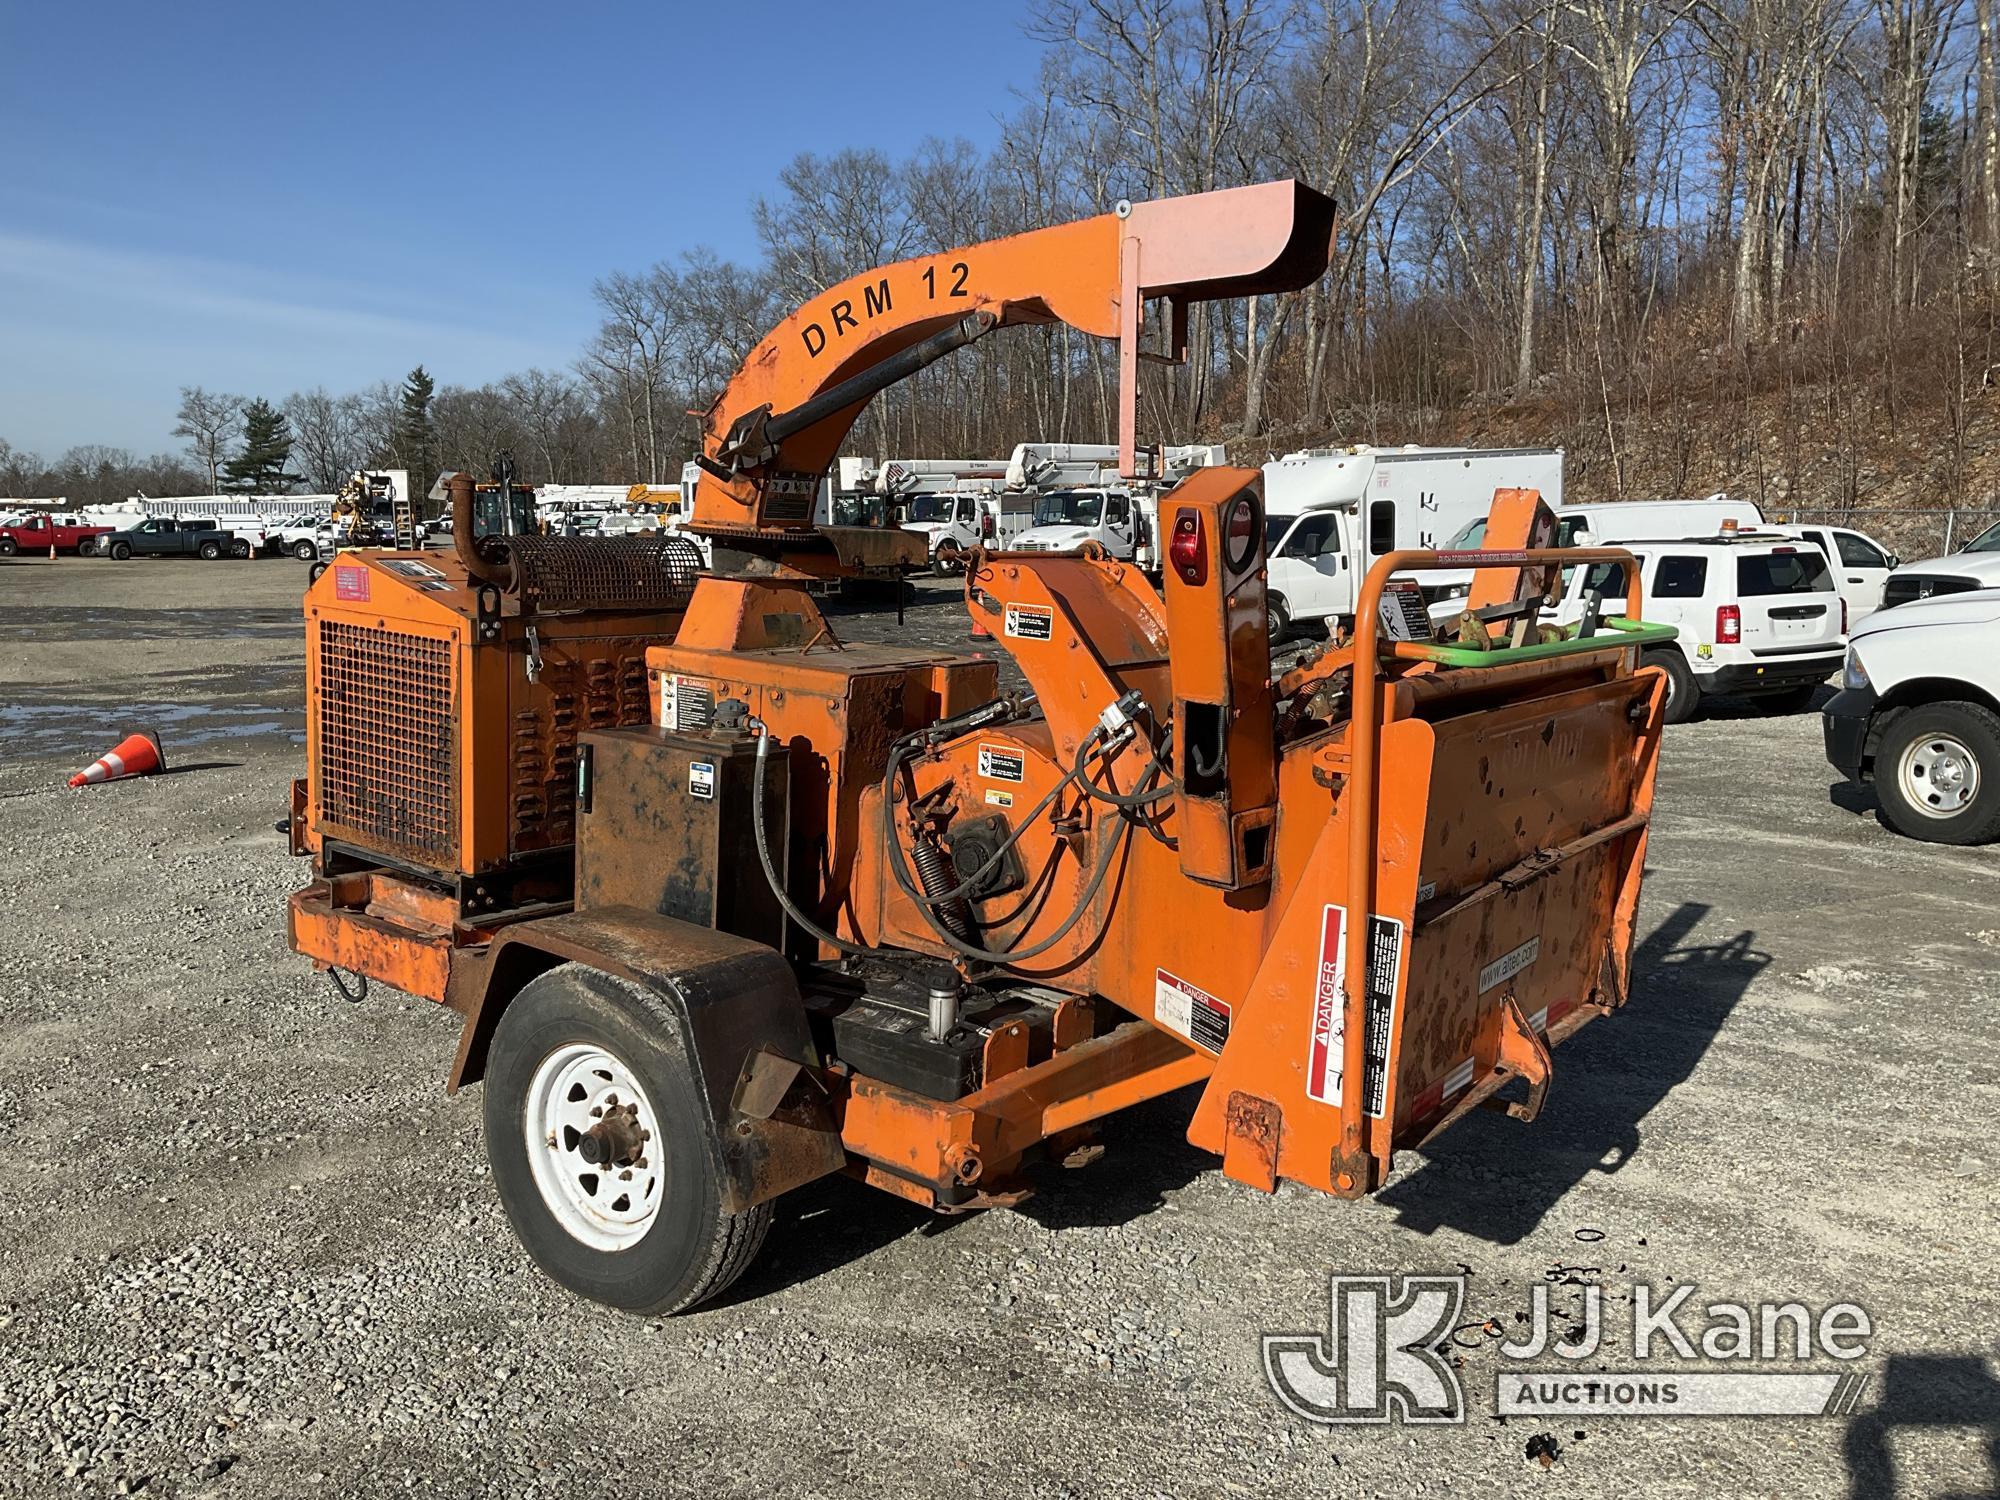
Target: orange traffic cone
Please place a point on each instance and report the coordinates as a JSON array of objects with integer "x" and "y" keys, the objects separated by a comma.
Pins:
[{"x": 138, "y": 754}]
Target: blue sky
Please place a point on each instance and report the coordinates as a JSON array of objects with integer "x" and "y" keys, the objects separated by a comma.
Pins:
[{"x": 262, "y": 198}]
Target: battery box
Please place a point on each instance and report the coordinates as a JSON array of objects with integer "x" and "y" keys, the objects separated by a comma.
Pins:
[{"x": 664, "y": 824}]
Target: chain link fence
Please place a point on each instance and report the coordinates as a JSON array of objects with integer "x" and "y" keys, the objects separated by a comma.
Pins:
[{"x": 1910, "y": 534}]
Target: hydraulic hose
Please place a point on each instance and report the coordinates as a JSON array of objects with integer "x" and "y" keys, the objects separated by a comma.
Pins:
[
  {"x": 810, "y": 927},
  {"x": 899, "y": 867},
  {"x": 1128, "y": 800}
]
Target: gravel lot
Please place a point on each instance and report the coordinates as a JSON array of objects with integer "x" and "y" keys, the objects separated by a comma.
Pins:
[{"x": 247, "y": 1246}]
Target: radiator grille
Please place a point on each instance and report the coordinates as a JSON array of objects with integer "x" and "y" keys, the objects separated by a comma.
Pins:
[{"x": 386, "y": 734}]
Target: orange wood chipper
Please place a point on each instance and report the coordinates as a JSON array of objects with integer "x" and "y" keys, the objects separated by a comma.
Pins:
[{"x": 804, "y": 906}]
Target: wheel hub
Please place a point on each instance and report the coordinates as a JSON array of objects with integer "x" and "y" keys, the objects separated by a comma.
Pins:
[
  {"x": 589, "y": 1128},
  {"x": 1940, "y": 776},
  {"x": 616, "y": 1138}
]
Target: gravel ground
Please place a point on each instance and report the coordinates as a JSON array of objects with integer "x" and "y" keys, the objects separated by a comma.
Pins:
[{"x": 247, "y": 1246}]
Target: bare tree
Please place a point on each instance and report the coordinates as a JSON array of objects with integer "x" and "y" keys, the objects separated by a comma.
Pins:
[
  {"x": 328, "y": 436},
  {"x": 209, "y": 420}
]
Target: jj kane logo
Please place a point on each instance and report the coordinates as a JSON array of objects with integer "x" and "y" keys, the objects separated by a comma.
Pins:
[{"x": 1389, "y": 1355}]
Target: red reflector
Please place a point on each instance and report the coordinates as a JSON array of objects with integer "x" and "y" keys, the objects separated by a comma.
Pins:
[
  {"x": 986, "y": 527},
  {"x": 1189, "y": 555},
  {"x": 1843, "y": 617},
  {"x": 1728, "y": 625}
]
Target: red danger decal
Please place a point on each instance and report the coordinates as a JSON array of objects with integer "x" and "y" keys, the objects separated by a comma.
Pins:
[
  {"x": 1323, "y": 1063},
  {"x": 350, "y": 583}
]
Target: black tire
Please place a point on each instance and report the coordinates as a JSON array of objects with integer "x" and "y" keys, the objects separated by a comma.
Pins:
[
  {"x": 121, "y": 551},
  {"x": 1683, "y": 695},
  {"x": 209, "y": 551},
  {"x": 8, "y": 546},
  {"x": 693, "y": 1248},
  {"x": 1973, "y": 734},
  {"x": 239, "y": 548},
  {"x": 941, "y": 568},
  {"x": 305, "y": 551},
  {"x": 1790, "y": 701},
  {"x": 1277, "y": 617}
]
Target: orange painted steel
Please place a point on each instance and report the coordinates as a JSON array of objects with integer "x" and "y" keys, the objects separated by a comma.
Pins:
[
  {"x": 936, "y": 1148},
  {"x": 1097, "y": 274},
  {"x": 1364, "y": 788}
]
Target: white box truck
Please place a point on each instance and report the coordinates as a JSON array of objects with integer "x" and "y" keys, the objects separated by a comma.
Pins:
[{"x": 1330, "y": 513}]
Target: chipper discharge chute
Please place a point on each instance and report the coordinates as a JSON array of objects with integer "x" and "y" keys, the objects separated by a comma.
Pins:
[{"x": 843, "y": 907}]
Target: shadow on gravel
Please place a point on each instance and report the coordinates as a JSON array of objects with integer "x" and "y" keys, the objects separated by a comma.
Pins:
[
  {"x": 1723, "y": 708},
  {"x": 1922, "y": 1391},
  {"x": 1146, "y": 1156},
  {"x": 1849, "y": 797},
  {"x": 1488, "y": 1180},
  {"x": 825, "y": 1226},
  {"x": 834, "y": 1222}
]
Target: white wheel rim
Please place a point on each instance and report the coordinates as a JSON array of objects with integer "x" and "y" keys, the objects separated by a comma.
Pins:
[
  {"x": 1940, "y": 776},
  {"x": 607, "y": 1207}
]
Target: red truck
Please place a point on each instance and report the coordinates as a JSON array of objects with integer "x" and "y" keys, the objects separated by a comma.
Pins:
[{"x": 35, "y": 533}]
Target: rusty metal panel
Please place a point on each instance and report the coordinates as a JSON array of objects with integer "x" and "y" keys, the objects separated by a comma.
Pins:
[
  {"x": 669, "y": 830},
  {"x": 387, "y": 732}
]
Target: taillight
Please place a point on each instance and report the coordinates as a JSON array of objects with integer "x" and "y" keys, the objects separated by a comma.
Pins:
[
  {"x": 1728, "y": 625},
  {"x": 986, "y": 528},
  {"x": 1189, "y": 555}
]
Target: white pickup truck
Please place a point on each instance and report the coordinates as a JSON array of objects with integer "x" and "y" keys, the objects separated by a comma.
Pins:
[{"x": 1918, "y": 715}]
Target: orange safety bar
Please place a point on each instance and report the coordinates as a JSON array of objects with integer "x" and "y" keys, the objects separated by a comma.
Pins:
[{"x": 1364, "y": 785}]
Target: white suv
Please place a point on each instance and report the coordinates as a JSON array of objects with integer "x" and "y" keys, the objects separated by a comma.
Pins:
[
  {"x": 1918, "y": 714},
  {"x": 1758, "y": 614}
]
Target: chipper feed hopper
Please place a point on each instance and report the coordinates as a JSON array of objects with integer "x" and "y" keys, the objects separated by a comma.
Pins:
[{"x": 853, "y": 908}]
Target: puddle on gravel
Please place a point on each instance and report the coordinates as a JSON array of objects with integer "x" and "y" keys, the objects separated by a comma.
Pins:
[
  {"x": 88, "y": 621},
  {"x": 34, "y": 728}
]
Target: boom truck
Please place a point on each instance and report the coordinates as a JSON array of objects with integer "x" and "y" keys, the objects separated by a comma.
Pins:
[{"x": 726, "y": 904}]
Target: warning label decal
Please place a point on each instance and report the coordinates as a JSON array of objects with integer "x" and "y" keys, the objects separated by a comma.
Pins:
[
  {"x": 350, "y": 583},
  {"x": 1190, "y": 1010},
  {"x": 1030, "y": 622},
  {"x": 997, "y": 798},
  {"x": 686, "y": 703},
  {"x": 1002, "y": 763},
  {"x": 1329, "y": 1028},
  {"x": 701, "y": 780}
]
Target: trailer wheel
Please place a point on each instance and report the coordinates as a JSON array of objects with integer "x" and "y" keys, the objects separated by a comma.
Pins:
[
  {"x": 1683, "y": 696},
  {"x": 1937, "y": 772},
  {"x": 596, "y": 1136}
]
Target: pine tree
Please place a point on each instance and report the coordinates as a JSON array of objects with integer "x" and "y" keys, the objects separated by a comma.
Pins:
[
  {"x": 260, "y": 469},
  {"x": 416, "y": 441}
]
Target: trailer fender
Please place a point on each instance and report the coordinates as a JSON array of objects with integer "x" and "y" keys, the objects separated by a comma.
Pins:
[{"x": 740, "y": 1021}]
